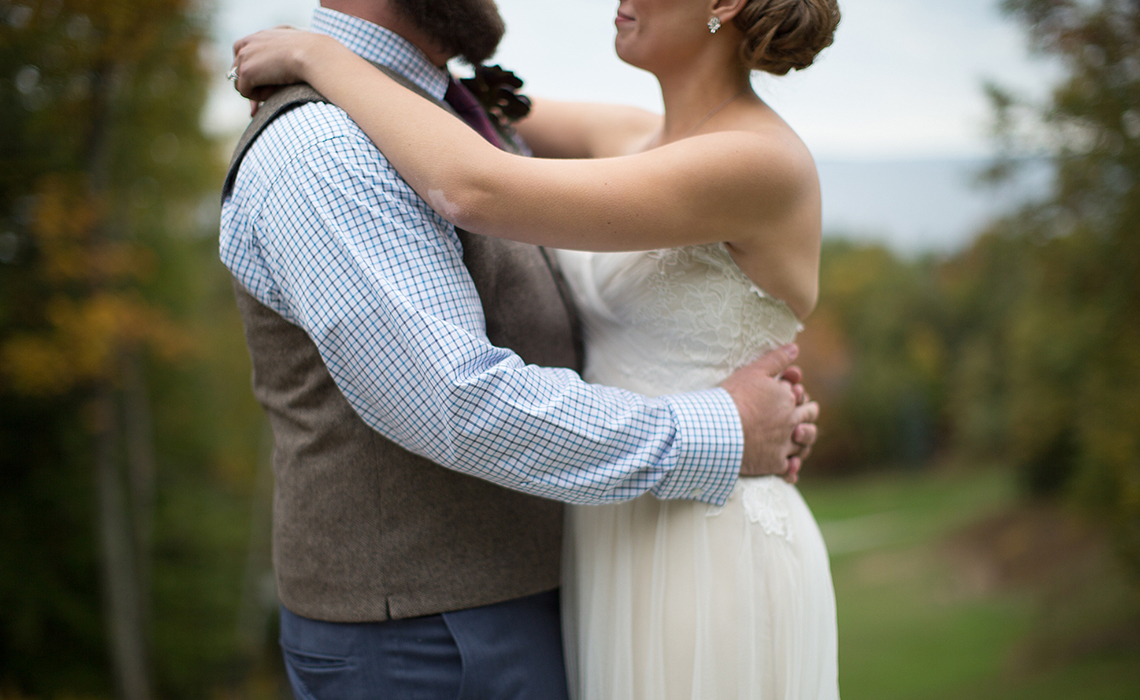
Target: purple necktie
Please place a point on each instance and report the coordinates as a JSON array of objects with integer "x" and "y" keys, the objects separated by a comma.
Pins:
[{"x": 469, "y": 109}]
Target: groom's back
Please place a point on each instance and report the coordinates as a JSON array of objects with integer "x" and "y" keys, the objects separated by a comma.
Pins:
[{"x": 364, "y": 530}]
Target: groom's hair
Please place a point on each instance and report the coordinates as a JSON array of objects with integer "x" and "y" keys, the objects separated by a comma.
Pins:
[{"x": 471, "y": 29}]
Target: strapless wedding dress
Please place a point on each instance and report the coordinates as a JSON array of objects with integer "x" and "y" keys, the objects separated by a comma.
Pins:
[{"x": 677, "y": 600}]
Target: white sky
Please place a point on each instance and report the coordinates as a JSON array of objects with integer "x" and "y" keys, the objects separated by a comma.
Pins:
[{"x": 903, "y": 80}]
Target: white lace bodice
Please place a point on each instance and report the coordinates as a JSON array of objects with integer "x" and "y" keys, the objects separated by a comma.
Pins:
[{"x": 669, "y": 321}]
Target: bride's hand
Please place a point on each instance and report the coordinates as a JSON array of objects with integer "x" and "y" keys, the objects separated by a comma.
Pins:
[{"x": 269, "y": 59}]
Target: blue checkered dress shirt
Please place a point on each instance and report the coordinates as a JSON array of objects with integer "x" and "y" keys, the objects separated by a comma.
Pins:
[{"x": 321, "y": 229}]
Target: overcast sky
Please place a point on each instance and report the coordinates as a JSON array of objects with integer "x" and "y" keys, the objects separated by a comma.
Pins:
[{"x": 903, "y": 80}]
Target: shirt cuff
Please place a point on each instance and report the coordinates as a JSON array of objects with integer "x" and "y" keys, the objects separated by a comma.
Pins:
[{"x": 710, "y": 448}]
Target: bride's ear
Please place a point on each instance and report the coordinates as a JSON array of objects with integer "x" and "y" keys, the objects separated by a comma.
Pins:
[{"x": 726, "y": 10}]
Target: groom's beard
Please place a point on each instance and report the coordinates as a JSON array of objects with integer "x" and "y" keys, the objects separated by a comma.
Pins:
[{"x": 471, "y": 29}]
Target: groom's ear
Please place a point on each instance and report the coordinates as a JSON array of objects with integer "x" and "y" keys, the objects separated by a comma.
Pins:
[{"x": 726, "y": 10}]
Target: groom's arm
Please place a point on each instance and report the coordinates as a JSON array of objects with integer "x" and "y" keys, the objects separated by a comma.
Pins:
[{"x": 376, "y": 278}]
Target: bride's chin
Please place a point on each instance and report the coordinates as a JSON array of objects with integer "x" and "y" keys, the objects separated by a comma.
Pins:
[
  {"x": 624, "y": 54},
  {"x": 642, "y": 52}
]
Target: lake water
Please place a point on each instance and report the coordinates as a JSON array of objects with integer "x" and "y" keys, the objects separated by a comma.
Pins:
[{"x": 920, "y": 206}]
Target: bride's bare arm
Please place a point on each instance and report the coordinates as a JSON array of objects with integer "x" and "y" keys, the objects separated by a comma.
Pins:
[
  {"x": 736, "y": 187},
  {"x": 556, "y": 129}
]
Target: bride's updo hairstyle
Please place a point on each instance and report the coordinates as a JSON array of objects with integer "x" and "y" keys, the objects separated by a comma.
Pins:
[{"x": 785, "y": 35}]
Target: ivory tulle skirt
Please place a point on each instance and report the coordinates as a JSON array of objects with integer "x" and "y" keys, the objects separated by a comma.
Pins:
[{"x": 675, "y": 600}]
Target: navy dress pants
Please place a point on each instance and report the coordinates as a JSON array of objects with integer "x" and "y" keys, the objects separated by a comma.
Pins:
[{"x": 507, "y": 651}]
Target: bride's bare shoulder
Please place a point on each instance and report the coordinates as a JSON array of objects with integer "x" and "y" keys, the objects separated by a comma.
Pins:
[
  {"x": 768, "y": 157},
  {"x": 556, "y": 129},
  {"x": 779, "y": 141}
]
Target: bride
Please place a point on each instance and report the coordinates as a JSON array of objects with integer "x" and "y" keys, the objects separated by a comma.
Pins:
[{"x": 662, "y": 600}]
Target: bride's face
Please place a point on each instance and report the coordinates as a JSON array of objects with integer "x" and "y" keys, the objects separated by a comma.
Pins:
[{"x": 651, "y": 34}]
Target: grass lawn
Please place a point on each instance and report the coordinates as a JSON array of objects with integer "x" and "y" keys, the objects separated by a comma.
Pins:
[{"x": 948, "y": 587}]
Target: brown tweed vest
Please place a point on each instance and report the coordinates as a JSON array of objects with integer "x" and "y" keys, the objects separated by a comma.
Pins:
[{"x": 364, "y": 530}]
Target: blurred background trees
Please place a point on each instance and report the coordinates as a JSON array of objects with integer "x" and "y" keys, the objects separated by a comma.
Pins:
[
  {"x": 134, "y": 487},
  {"x": 1024, "y": 348},
  {"x": 128, "y": 444}
]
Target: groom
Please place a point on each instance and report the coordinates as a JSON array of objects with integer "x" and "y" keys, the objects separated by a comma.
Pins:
[{"x": 404, "y": 567}]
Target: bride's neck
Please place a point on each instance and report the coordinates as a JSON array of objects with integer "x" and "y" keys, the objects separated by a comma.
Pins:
[{"x": 693, "y": 92}]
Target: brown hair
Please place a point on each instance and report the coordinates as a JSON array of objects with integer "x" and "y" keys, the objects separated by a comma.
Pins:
[{"x": 785, "y": 35}]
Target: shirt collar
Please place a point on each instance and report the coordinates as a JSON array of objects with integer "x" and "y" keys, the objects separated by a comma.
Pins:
[{"x": 379, "y": 45}]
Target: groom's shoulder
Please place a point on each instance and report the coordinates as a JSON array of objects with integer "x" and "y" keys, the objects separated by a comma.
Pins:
[{"x": 313, "y": 132}]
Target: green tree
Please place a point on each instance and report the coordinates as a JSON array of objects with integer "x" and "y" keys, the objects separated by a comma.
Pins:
[
  {"x": 1026, "y": 346},
  {"x": 1060, "y": 367}
]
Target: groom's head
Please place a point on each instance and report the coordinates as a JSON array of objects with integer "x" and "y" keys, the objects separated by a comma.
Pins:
[{"x": 469, "y": 29}]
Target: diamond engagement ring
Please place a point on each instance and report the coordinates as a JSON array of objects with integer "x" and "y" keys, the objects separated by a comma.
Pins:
[{"x": 232, "y": 76}]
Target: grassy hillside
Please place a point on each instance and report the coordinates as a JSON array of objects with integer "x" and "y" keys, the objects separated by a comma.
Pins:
[{"x": 948, "y": 586}]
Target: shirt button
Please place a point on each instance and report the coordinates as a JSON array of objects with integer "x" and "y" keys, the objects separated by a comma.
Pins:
[{"x": 697, "y": 492}]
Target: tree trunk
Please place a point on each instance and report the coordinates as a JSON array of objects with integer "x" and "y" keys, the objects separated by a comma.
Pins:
[
  {"x": 120, "y": 585},
  {"x": 120, "y": 533},
  {"x": 141, "y": 468}
]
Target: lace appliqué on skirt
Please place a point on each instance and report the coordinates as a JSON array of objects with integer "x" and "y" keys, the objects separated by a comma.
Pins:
[{"x": 766, "y": 506}]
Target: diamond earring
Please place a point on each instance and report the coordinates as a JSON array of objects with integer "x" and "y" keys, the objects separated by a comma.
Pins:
[{"x": 714, "y": 25}]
